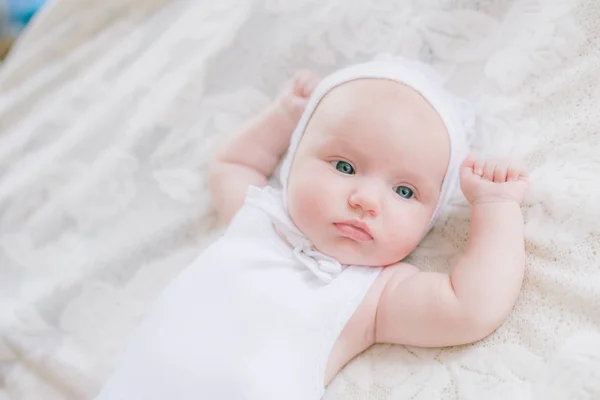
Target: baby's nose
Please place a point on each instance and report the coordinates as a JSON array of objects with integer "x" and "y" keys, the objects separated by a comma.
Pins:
[{"x": 366, "y": 199}]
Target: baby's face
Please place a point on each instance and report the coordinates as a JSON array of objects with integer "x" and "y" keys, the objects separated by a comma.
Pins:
[{"x": 368, "y": 172}]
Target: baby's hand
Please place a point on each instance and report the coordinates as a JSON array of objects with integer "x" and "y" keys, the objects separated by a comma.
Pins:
[
  {"x": 295, "y": 96},
  {"x": 492, "y": 181}
]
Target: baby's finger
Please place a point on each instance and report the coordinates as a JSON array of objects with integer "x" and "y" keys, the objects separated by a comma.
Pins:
[
  {"x": 513, "y": 173},
  {"x": 500, "y": 172},
  {"x": 523, "y": 173},
  {"x": 297, "y": 82},
  {"x": 466, "y": 168},
  {"x": 312, "y": 82},
  {"x": 469, "y": 161},
  {"x": 304, "y": 82},
  {"x": 518, "y": 171},
  {"x": 478, "y": 168},
  {"x": 488, "y": 170}
]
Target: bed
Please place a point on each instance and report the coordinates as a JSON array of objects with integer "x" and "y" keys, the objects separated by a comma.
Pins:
[{"x": 110, "y": 111}]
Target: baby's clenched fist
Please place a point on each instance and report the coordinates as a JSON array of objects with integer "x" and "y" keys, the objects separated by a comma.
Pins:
[
  {"x": 492, "y": 181},
  {"x": 295, "y": 96}
]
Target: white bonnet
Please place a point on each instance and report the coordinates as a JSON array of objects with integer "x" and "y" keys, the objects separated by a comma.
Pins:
[{"x": 456, "y": 113}]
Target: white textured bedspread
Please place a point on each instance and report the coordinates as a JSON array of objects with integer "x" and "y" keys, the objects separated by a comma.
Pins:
[{"x": 109, "y": 111}]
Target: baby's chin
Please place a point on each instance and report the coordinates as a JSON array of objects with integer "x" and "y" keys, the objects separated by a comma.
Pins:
[{"x": 349, "y": 252}]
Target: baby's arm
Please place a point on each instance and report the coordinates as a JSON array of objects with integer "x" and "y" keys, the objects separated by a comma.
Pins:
[
  {"x": 252, "y": 155},
  {"x": 434, "y": 309}
]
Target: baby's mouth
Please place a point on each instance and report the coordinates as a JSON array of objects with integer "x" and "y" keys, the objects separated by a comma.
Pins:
[{"x": 354, "y": 230}]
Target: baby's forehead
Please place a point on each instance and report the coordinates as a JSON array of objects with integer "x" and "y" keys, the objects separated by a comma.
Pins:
[
  {"x": 369, "y": 95},
  {"x": 383, "y": 116}
]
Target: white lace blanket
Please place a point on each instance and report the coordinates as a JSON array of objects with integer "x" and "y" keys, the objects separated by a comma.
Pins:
[{"x": 109, "y": 111}]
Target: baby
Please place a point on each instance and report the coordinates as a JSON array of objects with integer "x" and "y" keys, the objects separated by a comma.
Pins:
[{"x": 307, "y": 277}]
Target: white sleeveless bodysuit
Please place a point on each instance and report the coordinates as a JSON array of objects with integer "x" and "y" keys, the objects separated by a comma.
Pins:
[
  {"x": 253, "y": 318},
  {"x": 246, "y": 320}
]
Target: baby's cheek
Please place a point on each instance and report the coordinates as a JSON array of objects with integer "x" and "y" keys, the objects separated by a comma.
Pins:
[
  {"x": 308, "y": 205},
  {"x": 401, "y": 238}
]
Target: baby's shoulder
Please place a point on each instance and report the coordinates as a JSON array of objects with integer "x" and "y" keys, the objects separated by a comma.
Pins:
[
  {"x": 368, "y": 308},
  {"x": 388, "y": 275}
]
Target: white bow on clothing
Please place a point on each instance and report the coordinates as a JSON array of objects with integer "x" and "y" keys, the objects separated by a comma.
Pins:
[{"x": 270, "y": 201}]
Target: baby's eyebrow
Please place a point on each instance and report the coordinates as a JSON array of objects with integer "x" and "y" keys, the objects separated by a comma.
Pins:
[{"x": 413, "y": 176}]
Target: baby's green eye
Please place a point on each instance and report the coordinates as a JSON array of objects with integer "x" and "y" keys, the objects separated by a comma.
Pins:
[
  {"x": 404, "y": 192},
  {"x": 344, "y": 167}
]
